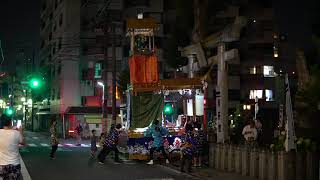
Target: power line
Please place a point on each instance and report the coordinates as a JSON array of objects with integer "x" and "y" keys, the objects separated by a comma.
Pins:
[{"x": 1, "y": 53}]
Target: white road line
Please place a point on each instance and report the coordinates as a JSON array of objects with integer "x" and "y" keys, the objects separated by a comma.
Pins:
[
  {"x": 85, "y": 145},
  {"x": 70, "y": 145},
  {"x": 24, "y": 171},
  {"x": 44, "y": 145},
  {"x": 35, "y": 137},
  {"x": 32, "y": 145}
]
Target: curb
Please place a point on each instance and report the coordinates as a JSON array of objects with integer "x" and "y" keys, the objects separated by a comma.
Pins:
[
  {"x": 191, "y": 175},
  {"x": 24, "y": 170}
]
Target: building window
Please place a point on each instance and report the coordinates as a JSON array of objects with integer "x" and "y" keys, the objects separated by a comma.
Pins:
[
  {"x": 54, "y": 48},
  {"x": 97, "y": 70},
  {"x": 275, "y": 51},
  {"x": 50, "y": 36},
  {"x": 269, "y": 95},
  {"x": 60, "y": 43},
  {"x": 53, "y": 71},
  {"x": 42, "y": 44},
  {"x": 59, "y": 69},
  {"x": 53, "y": 94},
  {"x": 51, "y": 16},
  {"x": 61, "y": 19},
  {"x": 58, "y": 94},
  {"x": 44, "y": 6},
  {"x": 268, "y": 71},
  {"x": 253, "y": 70},
  {"x": 55, "y": 26},
  {"x": 256, "y": 93}
]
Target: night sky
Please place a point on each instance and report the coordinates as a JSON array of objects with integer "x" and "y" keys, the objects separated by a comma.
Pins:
[
  {"x": 19, "y": 28},
  {"x": 20, "y": 21}
]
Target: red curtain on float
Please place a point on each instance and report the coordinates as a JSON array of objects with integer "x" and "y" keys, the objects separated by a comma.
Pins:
[{"x": 143, "y": 69}]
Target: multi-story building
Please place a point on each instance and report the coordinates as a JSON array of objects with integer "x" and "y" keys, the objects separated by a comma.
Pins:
[
  {"x": 261, "y": 56},
  {"x": 76, "y": 47},
  {"x": 59, "y": 57}
]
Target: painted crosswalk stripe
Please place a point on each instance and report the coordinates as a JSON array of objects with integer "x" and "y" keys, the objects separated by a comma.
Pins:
[
  {"x": 44, "y": 145},
  {"x": 32, "y": 145},
  {"x": 70, "y": 145},
  {"x": 85, "y": 145}
]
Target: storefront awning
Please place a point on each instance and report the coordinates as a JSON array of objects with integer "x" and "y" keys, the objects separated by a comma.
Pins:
[
  {"x": 44, "y": 111},
  {"x": 83, "y": 110}
]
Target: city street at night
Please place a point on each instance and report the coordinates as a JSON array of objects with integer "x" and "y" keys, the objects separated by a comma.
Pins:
[
  {"x": 159, "y": 90},
  {"x": 73, "y": 162}
]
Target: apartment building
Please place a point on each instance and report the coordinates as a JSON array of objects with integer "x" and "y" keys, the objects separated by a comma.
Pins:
[
  {"x": 259, "y": 57},
  {"x": 76, "y": 40}
]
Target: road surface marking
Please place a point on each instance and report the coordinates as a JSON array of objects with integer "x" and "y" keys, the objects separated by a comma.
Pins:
[
  {"x": 32, "y": 145},
  {"x": 70, "y": 145},
  {"x": 84, "y": 145},
  {"x": 24, "y": 170},
  {"x": 35, "y": 137},
  {"x": 44, "y": 145}
]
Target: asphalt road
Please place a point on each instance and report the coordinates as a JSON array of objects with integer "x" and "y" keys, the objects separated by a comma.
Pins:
[{"x": 74, "y": 163}]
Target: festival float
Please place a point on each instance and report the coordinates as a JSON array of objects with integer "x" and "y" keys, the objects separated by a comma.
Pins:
[{"x": 171, "y": 101}]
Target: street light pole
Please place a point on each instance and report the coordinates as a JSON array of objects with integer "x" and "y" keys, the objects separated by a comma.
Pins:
[
  {"x": 114, "y": 74},
  {"x": 32, "y": 119},
  {"x": 102, "y": 103}
]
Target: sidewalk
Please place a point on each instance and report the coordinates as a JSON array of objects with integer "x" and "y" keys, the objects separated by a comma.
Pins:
[{"x": 211, "y": 174}]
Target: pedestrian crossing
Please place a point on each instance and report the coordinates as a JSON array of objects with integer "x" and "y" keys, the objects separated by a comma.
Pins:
[{"x": 67, "y": 145}]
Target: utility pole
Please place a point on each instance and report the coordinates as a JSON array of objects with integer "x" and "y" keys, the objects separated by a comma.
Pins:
[
  {"x": 32, "y": 96},
  {"x": 114, "y": 75},
  {"x": 26, "y": 108},
  {"x": 105, "y": 77}
]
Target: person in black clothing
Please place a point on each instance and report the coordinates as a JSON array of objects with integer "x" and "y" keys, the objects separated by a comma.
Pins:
[
  {"x": 110, "y": 144},
  {"x": 200, "y": 140},
  {"x": 93, "y": 143},
  {"x": 54, "y": 139},
  {"x": 79, "y": 130},
  {"x": 187, "y": 150}
]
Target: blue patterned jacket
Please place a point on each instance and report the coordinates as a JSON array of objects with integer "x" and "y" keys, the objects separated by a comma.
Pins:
[{"x": 157, "y": 136}]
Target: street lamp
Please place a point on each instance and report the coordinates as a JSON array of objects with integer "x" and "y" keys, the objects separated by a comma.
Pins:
[
  {"x": 246, "y": 107},
  {"x": 102, "y": 85},
  {"x": 103, "y": 110}
]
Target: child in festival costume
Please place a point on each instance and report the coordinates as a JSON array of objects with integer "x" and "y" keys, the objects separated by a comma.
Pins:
[
  {"x": 187, "y": 150},
  {"x": 93, "y": 144}
]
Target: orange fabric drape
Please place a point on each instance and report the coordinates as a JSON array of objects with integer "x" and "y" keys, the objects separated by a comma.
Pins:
[{"x": 143, "y": 69}]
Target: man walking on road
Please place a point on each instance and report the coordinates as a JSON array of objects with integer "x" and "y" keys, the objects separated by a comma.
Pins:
[
  {"x": 110, "y": 144},
  {"x": 10, "y": 168}
]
